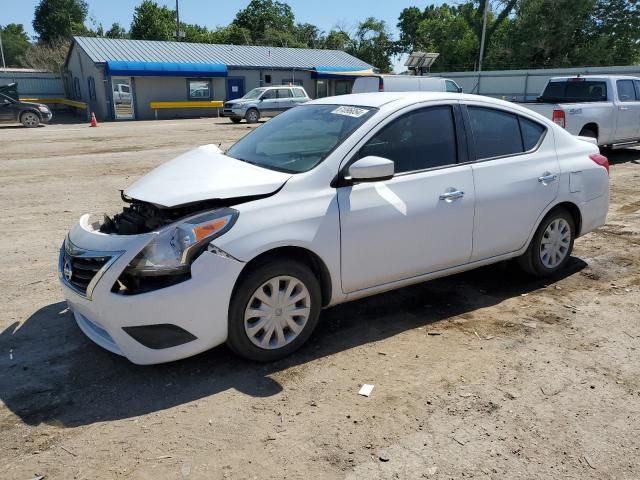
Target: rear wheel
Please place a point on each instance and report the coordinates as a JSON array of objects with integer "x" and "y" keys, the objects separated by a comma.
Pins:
[
  {"x": 588, "y": 132},
  {"x": 30, "y": 119},
  {"x": 252, "y": 116},
  {"x": 551, "y": 246},
  {"x": 274, "y": 311}
]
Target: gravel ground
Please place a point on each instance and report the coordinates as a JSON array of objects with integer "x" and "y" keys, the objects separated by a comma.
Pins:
[{"x": 487, "y": 374}]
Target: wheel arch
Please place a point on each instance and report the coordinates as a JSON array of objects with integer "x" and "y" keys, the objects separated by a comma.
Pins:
[
  {"x": 571, "y": 207},
  {"x": 29, "y": 110},
  {"x": 299, "y": 254},
  {"x": 591, "y": 126}
]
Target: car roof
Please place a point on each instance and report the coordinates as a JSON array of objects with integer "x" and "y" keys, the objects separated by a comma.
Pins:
[{"x": 594, "y": 77}]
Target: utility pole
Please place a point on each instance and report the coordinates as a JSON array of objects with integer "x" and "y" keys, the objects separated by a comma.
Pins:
[
  {"x": 4, "y": 65},
  {"x": 484, "y": 32},
  {"x": 177, "y": 21}
]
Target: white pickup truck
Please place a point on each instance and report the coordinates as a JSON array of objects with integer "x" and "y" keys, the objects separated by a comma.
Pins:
[{"x": 604, "y": 107}]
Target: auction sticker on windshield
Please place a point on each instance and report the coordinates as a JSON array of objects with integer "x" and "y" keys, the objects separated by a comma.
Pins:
[{"x": 350, "y": 111}]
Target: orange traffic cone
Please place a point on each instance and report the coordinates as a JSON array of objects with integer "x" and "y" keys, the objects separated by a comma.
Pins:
[{"x": 94, "y": 122}]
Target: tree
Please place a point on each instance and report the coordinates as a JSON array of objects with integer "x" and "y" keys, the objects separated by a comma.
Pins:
[
  {"x": 409, "y": 24},
  {"x": 616, "y": 25},
  {"x": 153, "y": 22},
  {"x": 56, "y": 20},
  {"x": 372, "y": 43},
  {"x": 15, "y": 43},
  {"x": 337, "y": 40},
  {"x": 43, "y": 56},
  {"x": 116, "y": 31},
  {"x": 264, "y": 19}
]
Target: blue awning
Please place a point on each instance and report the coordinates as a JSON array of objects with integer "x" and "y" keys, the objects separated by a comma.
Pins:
[
  {"x": 325, "y": 71},
  {"x": 165, "y": 69}
]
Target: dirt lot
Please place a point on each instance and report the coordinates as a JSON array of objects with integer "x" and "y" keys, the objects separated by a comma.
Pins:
[{"x": 524, "y": 379}]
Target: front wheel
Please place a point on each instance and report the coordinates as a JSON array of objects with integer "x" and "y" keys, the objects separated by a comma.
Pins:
[
  {"x": 252, "y": 116},
  {"x": 551, "y": 246},
  {"x": 274, "y": 311},
  {"x": 30, "y": 119}
]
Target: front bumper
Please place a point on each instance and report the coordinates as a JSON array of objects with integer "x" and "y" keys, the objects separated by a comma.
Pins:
[{"x": 198, "y": 306}]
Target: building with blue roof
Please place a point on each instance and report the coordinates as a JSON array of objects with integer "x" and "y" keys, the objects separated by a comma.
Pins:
[{"x": 119, "y": 79}]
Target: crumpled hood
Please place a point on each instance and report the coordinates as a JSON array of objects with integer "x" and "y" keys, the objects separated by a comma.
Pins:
[{"x": 204, "y": 174}]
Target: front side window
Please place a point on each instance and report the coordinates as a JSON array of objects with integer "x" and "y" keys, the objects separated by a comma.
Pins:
[
  {"x": 496, "y": 133},
  {"x": 269, "y": 95},
  {"x": 284, "y": 93},
  {"x": 626, "y": 92},
  {"x": 418, "y": 140},
  {"x": 452, "y": 86},
  {"x": 199, "y": 89},
  {"x": 299, "y": 93},
  {"x": 300, "y": 138}
]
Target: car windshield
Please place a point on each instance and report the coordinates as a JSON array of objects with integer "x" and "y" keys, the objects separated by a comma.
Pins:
[
  {"x": 299, "y": 139},
  {"x": 253, "y": 94}
]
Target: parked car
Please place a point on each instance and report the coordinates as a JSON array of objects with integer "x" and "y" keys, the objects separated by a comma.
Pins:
[
  {"x": 404, "y": 83},
  {"x": 604, "y": 107},
  {"x": 335, "y": 200},
  {"x": 28, "y": 113},
  {"x": 264, "y": 102},
  {"x": 122, "y": 93}
]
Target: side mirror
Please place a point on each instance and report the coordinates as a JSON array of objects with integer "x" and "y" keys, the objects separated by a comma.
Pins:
[
  {"x": 371, "y": 169},
  {"x": 459, "y": 89}
]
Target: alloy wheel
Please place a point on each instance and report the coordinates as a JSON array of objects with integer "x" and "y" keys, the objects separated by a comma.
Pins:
[{"x": 30, "y": 119}]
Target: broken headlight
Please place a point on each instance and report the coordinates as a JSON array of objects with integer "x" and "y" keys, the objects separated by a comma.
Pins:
[{"x": 178, "y": 245}]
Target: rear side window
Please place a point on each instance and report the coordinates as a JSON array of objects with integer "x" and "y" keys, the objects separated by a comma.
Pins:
[
  {"x": 496, "y": 133},
  {"x": 284, "y": 93},
  {"x": 421, "y": 139},
  {"x": 626, "y": 92},
  {"x": 575, "y": 90},
  {"x": 531, "y": 133}
]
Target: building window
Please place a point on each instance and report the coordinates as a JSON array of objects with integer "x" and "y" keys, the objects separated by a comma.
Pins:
[
  {"x": 343, "y": 87},
  {"x": 291, "y": 82},
  {"x": 76, "y": 88},
  {"x": 92, "y": 88},
  {"x": 199, "y": 89},
  {"x": 267, "y": 78}
]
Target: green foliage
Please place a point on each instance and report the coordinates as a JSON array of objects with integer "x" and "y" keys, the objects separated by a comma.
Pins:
[
  {"x": 116, "y": 31},
  {"x": 153, "y": 22},
  {"x": 266, "y": 22},
  {"x": 56, "y": 20},
  {"x": 372, "y": 43},
  {"x": 15, "y": 43}
]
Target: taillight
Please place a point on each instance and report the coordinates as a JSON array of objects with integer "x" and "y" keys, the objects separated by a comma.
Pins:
[
  {"x": 559, "y": 118},
  {"x": 600, "y": 160},
  {"x": 380, "y": 85}
]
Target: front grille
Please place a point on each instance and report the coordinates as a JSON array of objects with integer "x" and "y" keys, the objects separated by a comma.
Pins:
[{"x": 82, "y": 270}]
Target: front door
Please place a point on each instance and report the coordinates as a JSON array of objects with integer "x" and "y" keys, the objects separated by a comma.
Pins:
[
  {"x": 516, "y": 177},
  {"x": 269, "y": 103},
  {"x": 421, "y": 220},
  {"x": 7, "y": 112},
  {"x": 122, "y": 98},
  {"x": 235, "y": 88},
  {"x": 627, "y": 126}
]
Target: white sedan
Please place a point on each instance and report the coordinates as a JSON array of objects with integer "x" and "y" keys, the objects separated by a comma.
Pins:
[{"x": 334, "y": 200}]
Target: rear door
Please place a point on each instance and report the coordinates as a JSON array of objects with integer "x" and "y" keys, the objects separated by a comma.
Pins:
[
  {"x": 628, "y": 122},
  {"x": 516, "y": 175}
]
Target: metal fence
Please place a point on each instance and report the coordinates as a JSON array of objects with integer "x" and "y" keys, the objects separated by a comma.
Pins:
[
  {"x": 33, "y": 83},
  {"x": 521, "y": 85}
]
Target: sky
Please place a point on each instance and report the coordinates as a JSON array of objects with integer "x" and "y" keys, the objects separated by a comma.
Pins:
[{"x": 212, "y": 13}]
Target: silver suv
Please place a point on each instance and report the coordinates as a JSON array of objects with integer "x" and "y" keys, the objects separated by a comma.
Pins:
[{"x": 264, "y": 102}]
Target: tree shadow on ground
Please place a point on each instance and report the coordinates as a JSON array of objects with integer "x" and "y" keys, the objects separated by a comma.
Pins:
[{"x": 51, "y": 373}]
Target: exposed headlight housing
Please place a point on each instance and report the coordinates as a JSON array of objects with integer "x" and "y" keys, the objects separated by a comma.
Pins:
[
  {"x": 178, "y": 245},
  {"x": 43, "y": 109}
]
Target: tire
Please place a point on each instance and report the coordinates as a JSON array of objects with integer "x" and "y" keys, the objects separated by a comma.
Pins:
[
  {"x": 236, "y": 119},
  {"x": 30, "y": 119},
  {"x": 553, "y": 258},
  {"x": 257, "y": 338},
  {"x": 252, "y": 116}
]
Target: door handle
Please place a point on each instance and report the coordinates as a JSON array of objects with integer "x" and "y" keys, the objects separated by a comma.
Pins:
[
  {"x": 547, "y": 177},
  {"x": 448, "y": 196},
  {"x": 624, "y": 108}
]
